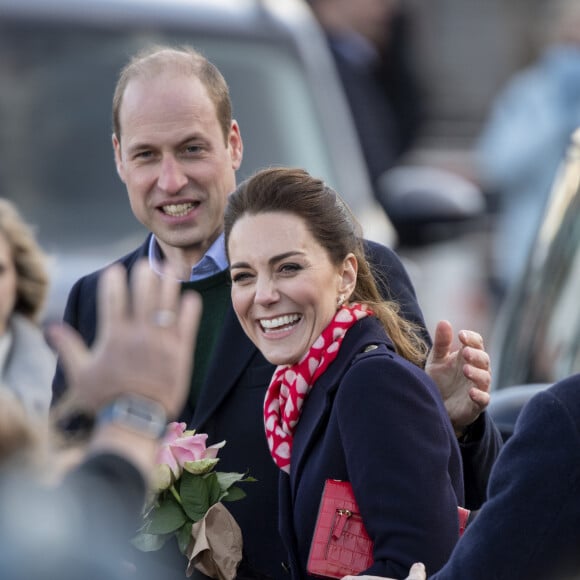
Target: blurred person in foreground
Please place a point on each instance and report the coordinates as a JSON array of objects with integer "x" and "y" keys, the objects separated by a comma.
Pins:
[
  {"x": 529, "y": 526},
  {"x": 349, "y": 399},
  {"x": 80, "y": 527},
  {"x": 27, "y": 363},
  {"x": 177, "y": 149},
  {"x": 524, "y": 141}
]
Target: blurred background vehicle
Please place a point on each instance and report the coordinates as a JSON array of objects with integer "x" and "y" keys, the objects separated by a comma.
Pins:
[
  {"x": 59, "y": 64},
  {"x": 536, "y": 340},
  {"x": 59, "y": 60}
]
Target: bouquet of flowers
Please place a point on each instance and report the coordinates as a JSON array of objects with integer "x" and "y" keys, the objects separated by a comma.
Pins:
[{"x": 187, "y": 504}]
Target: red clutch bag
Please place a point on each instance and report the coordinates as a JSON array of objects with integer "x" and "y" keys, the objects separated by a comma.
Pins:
[{"x": 341, "y": 545}]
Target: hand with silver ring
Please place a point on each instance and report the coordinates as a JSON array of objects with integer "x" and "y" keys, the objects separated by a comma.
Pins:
[
  {"x": 164, "y": 318},
  {"x": 146, "y": 332}
]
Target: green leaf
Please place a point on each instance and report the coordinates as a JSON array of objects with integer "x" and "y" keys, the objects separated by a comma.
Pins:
[
  {"x": 234, "y": 494},
  {"x": 214, "y": 489},
  {"x": 149, "y": 542},
  {"x": 226, "y": 480},
  {"x": 184, "y": 537},
  {"x": 194, "y": 492},
  {"x": 166, "y": 518}
]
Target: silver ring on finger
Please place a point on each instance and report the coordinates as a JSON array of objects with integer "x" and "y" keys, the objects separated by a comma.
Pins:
[{"x": 164, "y": 318}]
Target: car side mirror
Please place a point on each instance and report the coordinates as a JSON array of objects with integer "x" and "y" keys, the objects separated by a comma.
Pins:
[{"x": 428, "y": 204}]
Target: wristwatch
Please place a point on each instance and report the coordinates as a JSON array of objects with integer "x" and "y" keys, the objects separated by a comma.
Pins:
[{"x": 136, "y": 413}]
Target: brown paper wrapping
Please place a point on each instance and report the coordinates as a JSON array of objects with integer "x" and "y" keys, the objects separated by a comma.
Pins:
[{"x": 216, "y": 545}]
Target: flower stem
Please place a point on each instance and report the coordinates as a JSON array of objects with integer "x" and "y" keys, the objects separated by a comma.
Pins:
[{"x": 175, "y": 495}]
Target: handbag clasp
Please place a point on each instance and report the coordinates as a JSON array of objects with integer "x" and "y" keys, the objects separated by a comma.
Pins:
[{"x": 342, "y": 515}]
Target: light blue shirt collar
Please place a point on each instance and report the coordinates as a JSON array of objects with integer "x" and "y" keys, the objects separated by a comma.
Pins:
[{"x": 213, "y": 262}]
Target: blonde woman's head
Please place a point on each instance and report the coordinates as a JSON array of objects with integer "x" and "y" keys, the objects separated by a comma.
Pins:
[{"x": 24, "y": 279}]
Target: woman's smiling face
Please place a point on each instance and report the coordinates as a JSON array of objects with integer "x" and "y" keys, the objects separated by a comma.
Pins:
[{"x": 284, "y": 286}]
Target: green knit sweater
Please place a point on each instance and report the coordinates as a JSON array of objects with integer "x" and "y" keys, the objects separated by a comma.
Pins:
[{"x": 215, "y": 294}]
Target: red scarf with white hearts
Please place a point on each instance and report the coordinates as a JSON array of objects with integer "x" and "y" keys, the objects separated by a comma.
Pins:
[{"x": 291, "y": 383}]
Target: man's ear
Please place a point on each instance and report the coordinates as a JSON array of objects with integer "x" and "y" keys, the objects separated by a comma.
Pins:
[
  {"x": 348, "y": 274},
  {"x": 118, "y": 158},
  {"x": 236, "y": 145}
]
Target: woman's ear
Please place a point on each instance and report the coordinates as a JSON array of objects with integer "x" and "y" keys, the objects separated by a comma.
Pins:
[{"x": 348, "y": 274}]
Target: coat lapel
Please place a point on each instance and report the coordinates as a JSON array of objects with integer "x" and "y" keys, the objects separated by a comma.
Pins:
[
  {"x": 321, "y": 397},
  {"x": 313, "y": 418}
]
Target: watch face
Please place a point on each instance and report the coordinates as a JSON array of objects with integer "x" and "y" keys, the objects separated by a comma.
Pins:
[{"x": 136, "y": 413}]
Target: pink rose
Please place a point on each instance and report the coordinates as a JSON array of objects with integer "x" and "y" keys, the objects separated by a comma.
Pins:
[{"x": 182, "y": 449}]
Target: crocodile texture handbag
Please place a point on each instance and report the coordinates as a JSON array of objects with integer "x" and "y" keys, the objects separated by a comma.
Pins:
[{"x": 341, "y": 544}]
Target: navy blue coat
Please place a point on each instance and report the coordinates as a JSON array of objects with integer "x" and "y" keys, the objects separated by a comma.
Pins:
[
  {"x": 529, "y": 527},
  {"x": 231, "y": 400},
  {"x": 378, "y": 421}
]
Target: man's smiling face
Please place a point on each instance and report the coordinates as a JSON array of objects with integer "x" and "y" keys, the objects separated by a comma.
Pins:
[{"x": 175, "y": 161}]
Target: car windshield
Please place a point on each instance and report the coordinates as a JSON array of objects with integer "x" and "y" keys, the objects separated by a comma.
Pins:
[
  {"x": 540, "y": 334},
  {"x": 55, "y": 144}
]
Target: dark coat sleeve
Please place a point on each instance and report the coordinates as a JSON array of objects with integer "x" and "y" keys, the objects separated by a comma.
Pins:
[
  {"x": 528, "y": 528},
  {"x": 80, "y": 313},
  {"x": 479, "y": 450}
]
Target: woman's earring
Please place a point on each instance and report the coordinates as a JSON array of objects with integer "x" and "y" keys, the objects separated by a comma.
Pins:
[{"x": 340, "y": 301}]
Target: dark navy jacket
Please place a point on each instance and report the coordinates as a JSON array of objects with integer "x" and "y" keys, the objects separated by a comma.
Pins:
[
  {"x": 379, "y": 422},
  {"x": 529, "y": 527}
]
